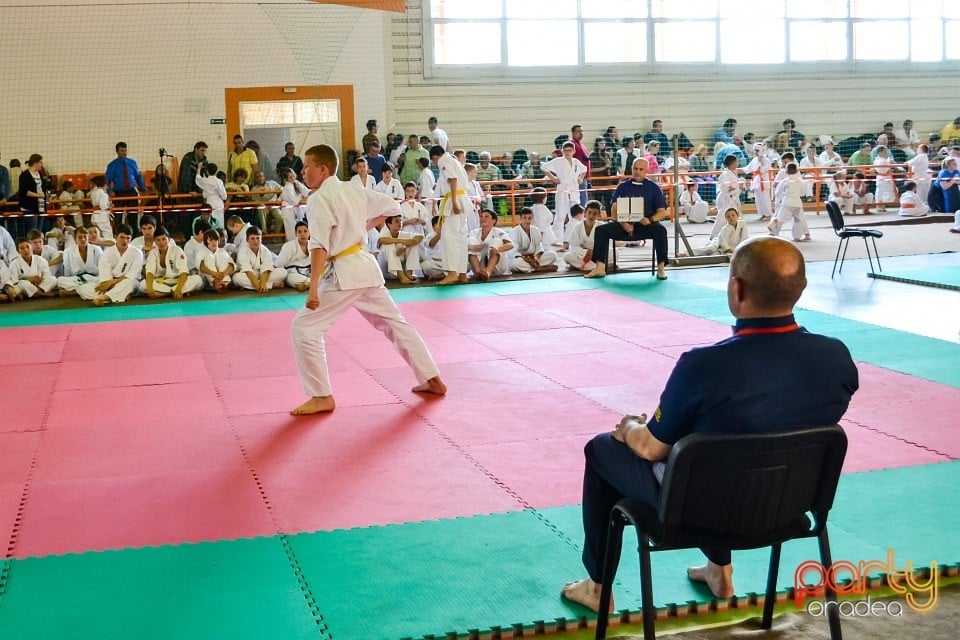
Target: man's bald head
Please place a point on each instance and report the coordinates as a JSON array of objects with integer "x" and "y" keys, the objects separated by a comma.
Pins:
[{"x": 767, "y": 277}]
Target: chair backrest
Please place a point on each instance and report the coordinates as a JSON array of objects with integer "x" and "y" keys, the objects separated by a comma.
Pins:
[
  {"x": 753, "y": 485},
  {"x": 836, "y": 216}
]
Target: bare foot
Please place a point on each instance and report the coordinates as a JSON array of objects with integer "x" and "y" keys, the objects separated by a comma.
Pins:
[
  {"x": 448, "y": 279},
  {"x": 462, "y": 278},
  {"x": 321, "y": 404},
  {"x": 303, "y": 287},
  {"x": 279, "y": 285},
  {"x": 403, "y": 278},
  {"x": 718, "y": 578},
  {"x": 99, "y": 301},
  {"x": 433, "y": 385},
  {"x": 599, "y": 271},
  {"x": 585, "y": 592},
  {"x": 547, "y": 268}
]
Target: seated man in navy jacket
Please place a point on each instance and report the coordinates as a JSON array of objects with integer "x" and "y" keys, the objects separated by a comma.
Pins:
[{"x": 770, "y": 376}]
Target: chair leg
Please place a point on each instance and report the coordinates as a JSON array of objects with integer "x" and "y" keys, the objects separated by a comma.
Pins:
[
  {"x": 876, "y": 253},
  {"x": 611, "y": 558},
  {"x": 833, "y": 614},
  {"x": 846, "y": 245},
  {"x": 771, "y": 594},
  {"x": 866, "y": 245},
  {"x": 646, "y": 589},
  {"x": 837, "y": 257}
]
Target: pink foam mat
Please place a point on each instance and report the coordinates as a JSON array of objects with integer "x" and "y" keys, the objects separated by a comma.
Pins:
[
  {"x": 147, "y": 369},
  {"x": 280, "y": 394},
  {"x": 46, "y": 333},
  {"x": 495, "y": 320},
  {"x": 551, "y": 342},
  {"x": 30, "y": 353},
  {"x": 591, "y": 307},
  {"x": 134, "y": 511},
  {"x": 11, "y": 494},
  {"x": 642, "y": 367},
  {"x": 379, "y": 353},
  {"x": 17, "y": 455},
  {"x": 666, "y": 333},
  {"x": 868, "y": 449},
  {"x": 138, "y": 329},
  {"x": 255, "y": 362}
]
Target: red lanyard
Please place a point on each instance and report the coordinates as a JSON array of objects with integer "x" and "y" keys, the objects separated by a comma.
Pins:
[{"x": 759, "y": 330}]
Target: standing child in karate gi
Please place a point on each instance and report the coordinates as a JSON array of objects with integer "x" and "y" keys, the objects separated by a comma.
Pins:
[
  {"x": 293, "y": 195},
  {"x": 790, "y": 193},
  {"x": 920, "y": 171},
  {"x": 343, "y": 276},
  {"x": 543, "y": 217},
  {"x": 454, "y": 207},
  {"x": 213, "y": 189},
  {"x": 567, "y": 173},
  {"x": 100, "y": 202},
  {"x": 886, "y": 189},
  {"x": 759, "y": 167}
]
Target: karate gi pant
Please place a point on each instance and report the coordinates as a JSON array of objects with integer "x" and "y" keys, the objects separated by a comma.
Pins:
[
  {"x": 377, "y": 308},
  {"x": 72, "y": 283},
  {"x": 799, "y": 229},
  {"x": 118, "y": 293},
  {"x": 167, "y": 285},
  {"x": 393, "y": 261},
  {"x": 503, "y": 265},
  {"x": 886, "y": 190},
  {"x": 277, "y": 276},
  {"x": 763, "y": 202},
  {"x": 846, "y": 204},
  {"x": 28, "y": 289},
  {"x": 696, "y": 213},
  {"x": 563, "y": 201},
  {"x": 291, "y": 215},
  {"x": 209, "y": 282},
  {"x": 432, "y": 267},
  {"x": 613, "y": 472},
  {"x": 453, "y": 236},
  {"x": 296, "y": 278},
  {"x": 519, "y": 265},
  {"x": 604, "y": 233},
  {"x": 574, "y": 257}
]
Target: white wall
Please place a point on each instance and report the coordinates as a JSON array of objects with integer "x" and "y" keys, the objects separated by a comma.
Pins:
[
  {"x": 79, "y": 78},
  {"x": 508, "y": 112}
]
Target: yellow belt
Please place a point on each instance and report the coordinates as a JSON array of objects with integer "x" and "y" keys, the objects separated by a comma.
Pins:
[
  {"x": 352, "y": 250},
  {"x": 446, "y": 197}
]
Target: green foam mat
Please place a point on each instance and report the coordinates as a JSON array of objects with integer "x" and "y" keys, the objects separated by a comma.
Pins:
[
  {"x": 237, "y": 590},
  {"x": 939, "y": 277}
]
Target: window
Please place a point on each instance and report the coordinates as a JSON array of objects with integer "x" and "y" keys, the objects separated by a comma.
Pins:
[
  {"x": 288, "y": 112},
  {"x": 539, "y": 34}
]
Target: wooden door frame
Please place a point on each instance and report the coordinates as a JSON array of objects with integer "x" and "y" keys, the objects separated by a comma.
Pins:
[{"x": 342, "y": 92}]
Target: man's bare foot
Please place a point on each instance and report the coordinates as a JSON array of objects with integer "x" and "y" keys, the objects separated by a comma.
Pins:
[
  {"x": 321, "y": 404},
  {"x": 599, "y": 271},
  {"x": 448, "y": 279},
  {"x": 585, "y": 592},
  {"x": 433, "y": 385},
  {"x": 99, "y": 301},
  {"x": 718, "y": 578}
]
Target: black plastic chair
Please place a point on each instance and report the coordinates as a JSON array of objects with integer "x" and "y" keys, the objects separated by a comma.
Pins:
[
  {"x": 836, "y": 219},
  {"x": 737, "y": 492}
]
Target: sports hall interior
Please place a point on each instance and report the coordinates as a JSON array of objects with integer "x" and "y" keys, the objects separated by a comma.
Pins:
[{"x": 152, "y": 484}]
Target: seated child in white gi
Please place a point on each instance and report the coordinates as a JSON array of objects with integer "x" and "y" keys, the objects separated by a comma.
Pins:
[
  {"x": 790, "y": 193},
  {"x": 731, "y": 235},
  {"x": 255, "y": 268},
  {"x": 528, "y": 253},
  {"x": 388, "y": 185},
  {"x": 363, "y": 177},
  {"x": 216, "y": 266},
  {"x": 81, "y": 263},
  {"x": 431, "y": 260},
  {"x": 861, "y": 192},
  {"x": 294, "y": 256},
  {"x": 413, "y": 212},
  {"x": 489, "y": 248},
  {"x": 167, "y": 271},
  {"x": 580, "y": 254},
  {"x": 40, "y": 248},
  {"x": 543, "y": 217},
  {"x": 239, "y": 229},
  {"x": 693, "y": 206},
  {"x": 399, "y": 251},
  {"x": 120, "y": 267},
  {"x": 30, "y": 273},
  {"x": 93, "y": 234},
  {"x": 910, "y": 202},
  {"x": 194, "y": 247},
  {"x": 841, "y": 192},
  {"x": 61, "y": 235},
  {"x": 7, "y": 292}
]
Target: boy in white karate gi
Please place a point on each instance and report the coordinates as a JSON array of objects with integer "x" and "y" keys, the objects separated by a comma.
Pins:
[
  {"x": 728, "y": 192},
  {"x": 363, "y": 177},
  {"x": 40, "y": 248},
  {"x": 194, "y": 247},
  {"x": 543, "y": 217},
  {"x": 489, "y": 248},
  {"x": 293, "y": 195},
  {"x": 81, "y": 263},
  {"x": 120, "y": 267},
  {"x": 427, "y": 184},
  {"x": 454, "y": 207},
  {"x": 213, "y": 189},
  {"x": 100, "y": 201},
  {"x": 731, "y": 235},
  {"x": 528, "y": 252},
  {"x": 389, "y": 185},
  {"x": 790, "y": 193},
  {"x": 7, "y": 292},
  {"x": 431, "y": 254},
  {"x": 413, "y": 212},
  {"x": 693, "y": 206},
  {"x": 567, "y": 173},
  {"x": 167, "y": 272},
  {"x": 920, "y": 171},
  {"x": 399, "y": 251},
  {"x": 579, "y": 255},
  {"x": 338, "y": 216},
  {"x": 217, "y": 266},
  {"x": 910, "y": 202},
  {"x": 759, "y": 168},
  {"x": 294, "y": 256},
  {"x": 475, "y": 193},
  {"x": 841, "y": 192},
  {"x": 255, "y": 268},
  {"x": 30, "y": 273}
]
